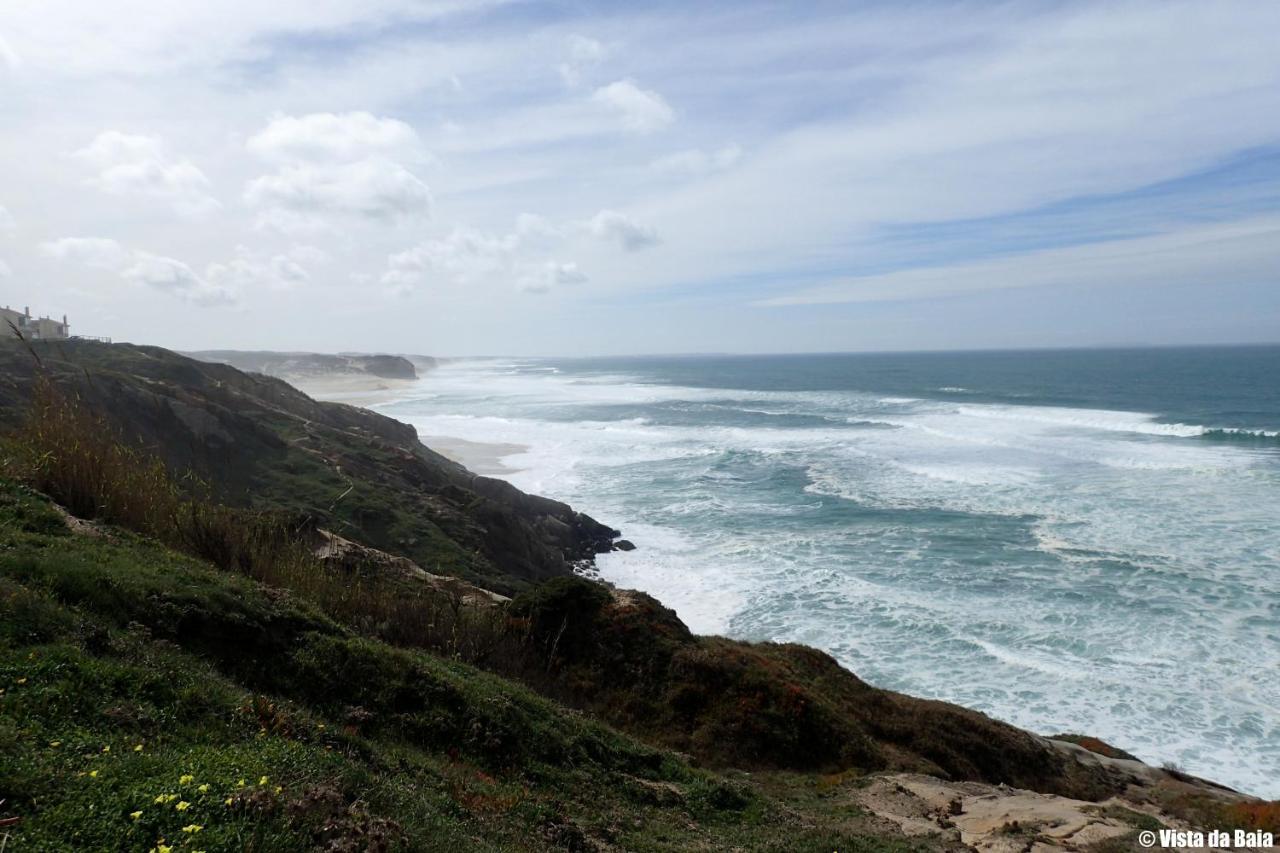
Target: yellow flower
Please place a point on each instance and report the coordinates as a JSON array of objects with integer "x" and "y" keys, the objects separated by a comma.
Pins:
[
  {"x": 192, "y": 828},
  {"x": 106, "y": 749},
  {"x": 93, "y": 774},
  {"x": 138, "y": 748},
  {"x": 240, "y": 784},
  {"x": 182, "y": 805},
  {"x": 262, "y": 781},
  {"x": 204, "y": 789},
  {"x": 320, "y": 726},
  {"x": 135, "y": 815},
  {"x": 166, "y": 798},
  {"x": 228, "y": 800},
  {"x": 186, "y": 779},
  {"x": 22, "y": 681},
  {"x": 54, "y": 744},
  {"x": 279, "y": 789}
]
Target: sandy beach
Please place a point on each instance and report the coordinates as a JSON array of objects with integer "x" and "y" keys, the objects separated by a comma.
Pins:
[
  {"x": 366, "y": 391},
  {"x": 481, "y": 457},
  {"x": 356, "y": 389}
]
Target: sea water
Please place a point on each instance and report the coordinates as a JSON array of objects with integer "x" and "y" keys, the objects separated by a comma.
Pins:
[{"x": 1073, "y": 541}]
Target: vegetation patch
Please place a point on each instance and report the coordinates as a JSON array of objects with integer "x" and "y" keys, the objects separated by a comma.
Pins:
[
  {"x": 149, "y": 700},
  {"x": 1097, "y": 745}
]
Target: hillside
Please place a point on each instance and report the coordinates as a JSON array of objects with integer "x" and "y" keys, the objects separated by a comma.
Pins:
[
  {"x": 159, "y": 634},
  {"x": 256, "y": 441},
  {"x": 151, "y": 700}
]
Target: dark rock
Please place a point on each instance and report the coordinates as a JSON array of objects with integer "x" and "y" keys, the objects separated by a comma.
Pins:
[{"x": 624, "y": 545}]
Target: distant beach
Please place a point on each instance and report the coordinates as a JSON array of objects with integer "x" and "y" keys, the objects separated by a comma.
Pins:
[
  {"x": 482, "y": 457},
  {"x": 357, "y": 389}
]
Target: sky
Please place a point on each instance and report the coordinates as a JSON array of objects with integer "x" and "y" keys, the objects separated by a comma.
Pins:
[{"x": 450, "y": 177}]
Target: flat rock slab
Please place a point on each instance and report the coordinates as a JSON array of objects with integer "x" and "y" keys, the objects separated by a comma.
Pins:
[{"x": 991, "y": 818}]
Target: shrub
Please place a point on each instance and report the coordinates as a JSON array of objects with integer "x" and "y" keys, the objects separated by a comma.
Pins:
[
  {"x": 78, "y": 459},
  {"x": 1254, "y": 815},
  {"x": 561, "y": 614}
]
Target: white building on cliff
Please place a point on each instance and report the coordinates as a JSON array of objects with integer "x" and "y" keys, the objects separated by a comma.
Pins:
[{"x": 34, "y": 328}]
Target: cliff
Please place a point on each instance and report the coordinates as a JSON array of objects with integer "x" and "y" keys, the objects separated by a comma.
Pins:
[{"x": 258, "y": 442}]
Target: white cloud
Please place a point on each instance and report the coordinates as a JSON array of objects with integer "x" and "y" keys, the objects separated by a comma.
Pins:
[
  {"x": 337, "y": 138},
  {"x": 136, "y": 37},
  {"x": 343, "y": 165},
  {"x": 537, "y": 231},
  {"x": 175, "y": 278},
  {"x": 6, "y": 220},
  {"x": 8, "y": 56},
  {"x": 1236, "y": 252},
  {"x": 464, "y": 255},
  {"x": 696, "y": 161},
  {"x": 129, "y": 164},
  {"x": 641, "y": 110},
  {"x": 581, "y": 55},
  {"x": 5, "y": 269},
  {"x": 297, "y": 197},
  {"x": 249, "y": 271},
  {"x": 309, "y": 256},
  {"x": 97, "y": 252},
  {"x": 167, "y": 275},
  {"x": 468, "y": 256},
  {"x": 618, "y": 227},
  {"x": 542, "y": 278}
]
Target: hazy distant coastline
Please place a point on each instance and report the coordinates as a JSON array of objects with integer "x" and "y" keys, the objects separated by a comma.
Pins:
[
  {"x": 311, "y": 364},
  {"x": 360, "y": 379},
  {"x": 367, "y": 380}
]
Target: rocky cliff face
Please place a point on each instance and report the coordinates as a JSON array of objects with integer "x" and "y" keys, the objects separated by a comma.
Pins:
[{"x": 257, "y": 441}]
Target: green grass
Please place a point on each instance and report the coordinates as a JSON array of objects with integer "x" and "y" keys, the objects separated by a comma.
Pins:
[{"x": 126, "y": 667}]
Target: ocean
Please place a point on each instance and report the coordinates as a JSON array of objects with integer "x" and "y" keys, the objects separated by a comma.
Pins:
[{"x": 1074, "y": 541}]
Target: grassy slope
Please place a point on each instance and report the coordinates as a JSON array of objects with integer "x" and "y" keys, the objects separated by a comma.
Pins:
[
  {"x": 259, "y": 442},
  {"x": 126, "y": 668}
]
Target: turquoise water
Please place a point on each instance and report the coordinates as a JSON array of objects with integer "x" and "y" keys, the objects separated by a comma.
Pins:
[{"x": 1078, "y": 541}]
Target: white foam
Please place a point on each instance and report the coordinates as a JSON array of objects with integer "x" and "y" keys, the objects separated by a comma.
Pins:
[
  {"x": 1089, "y": 419},
  {"x": 1121, "y": 595}
]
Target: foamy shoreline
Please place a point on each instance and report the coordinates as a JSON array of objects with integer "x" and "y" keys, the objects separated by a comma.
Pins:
[{"x": 368, "y": 391}]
